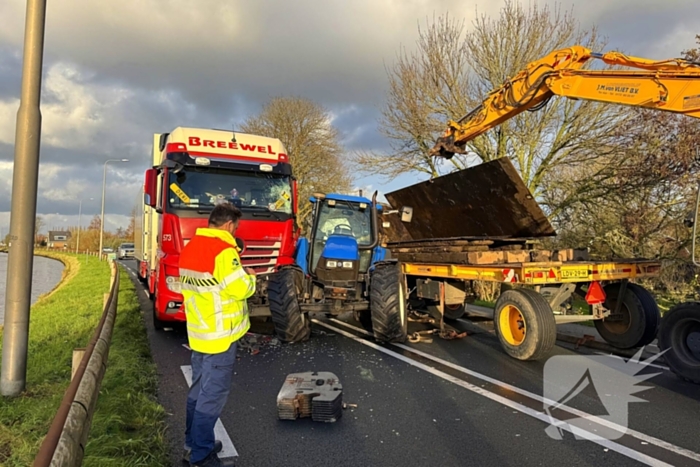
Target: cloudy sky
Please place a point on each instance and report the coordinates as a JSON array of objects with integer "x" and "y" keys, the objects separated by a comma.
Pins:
[{"x": 115, "y": 72}]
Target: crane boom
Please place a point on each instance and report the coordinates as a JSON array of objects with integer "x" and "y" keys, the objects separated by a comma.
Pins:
[{"x": 669, "y": 85}]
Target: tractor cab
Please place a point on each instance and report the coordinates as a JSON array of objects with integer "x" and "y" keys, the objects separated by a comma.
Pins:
[{"x": 342, "y": 238}]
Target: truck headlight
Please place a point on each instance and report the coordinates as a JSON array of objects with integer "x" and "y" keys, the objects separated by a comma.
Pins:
[
  {"x": 331, "y": 264},
  {"x": 173, "y": 283},
  {"x": 347, "y": 264}
]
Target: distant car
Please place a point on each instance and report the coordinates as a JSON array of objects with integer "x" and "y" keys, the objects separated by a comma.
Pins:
[{"x": 126, "y": 250}]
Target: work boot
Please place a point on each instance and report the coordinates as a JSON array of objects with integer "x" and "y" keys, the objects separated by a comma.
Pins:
[
  {"x": 212, "y": 460},
  {"x": 218, "y": 446}
]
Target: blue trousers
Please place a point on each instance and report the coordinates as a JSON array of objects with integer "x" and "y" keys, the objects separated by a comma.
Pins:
[{"x": 211, "y": 384}]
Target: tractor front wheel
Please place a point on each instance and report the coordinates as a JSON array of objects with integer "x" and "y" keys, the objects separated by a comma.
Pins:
[{"x": 291, "y": 324}]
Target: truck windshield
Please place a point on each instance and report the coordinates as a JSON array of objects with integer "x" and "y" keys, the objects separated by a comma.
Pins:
[{"x": 199, "y": 188}]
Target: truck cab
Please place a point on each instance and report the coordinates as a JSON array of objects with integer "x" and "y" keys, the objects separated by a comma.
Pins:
[{"x": 195, "y": 169}]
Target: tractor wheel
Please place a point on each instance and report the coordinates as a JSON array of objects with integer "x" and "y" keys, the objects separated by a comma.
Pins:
[
  {"x": 679, "y": 337},
  {"x": 637, "y": 324},
  {"x": 387, "y": 301},
  {"x": 291, "y": 324},
  {"x": 525, "y": 324}
]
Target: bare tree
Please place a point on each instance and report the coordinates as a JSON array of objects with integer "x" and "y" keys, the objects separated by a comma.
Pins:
[
  {"x": 129, "y": 234},
  {"x": 95, "y": 223},
  {"x": 454, "y": 69},
  {"x": 693, "y": 54},
  {"x": 38, "y": 225},
  {"x": 311, "y": 141}
]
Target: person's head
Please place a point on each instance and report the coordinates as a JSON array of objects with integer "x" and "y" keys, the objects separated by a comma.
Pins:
[{"x": 225, "y": 216}]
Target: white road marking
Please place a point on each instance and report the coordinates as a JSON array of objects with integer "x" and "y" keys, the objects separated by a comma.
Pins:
[
  {"x": 636, "y": 434},
  {"x": 229, "y": 450},
  {"x": 145, "y": 292},
  {"x": 661, "y": 367}
]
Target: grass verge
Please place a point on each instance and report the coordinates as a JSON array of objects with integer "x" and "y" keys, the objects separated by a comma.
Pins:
[{"x": 128, "y": 426}]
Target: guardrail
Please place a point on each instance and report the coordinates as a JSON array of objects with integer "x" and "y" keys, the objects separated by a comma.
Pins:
[{"x": 64, "y": 444}]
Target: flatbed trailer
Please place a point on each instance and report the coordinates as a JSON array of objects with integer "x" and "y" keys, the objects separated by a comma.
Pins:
[{"x": 537, "y": 290}]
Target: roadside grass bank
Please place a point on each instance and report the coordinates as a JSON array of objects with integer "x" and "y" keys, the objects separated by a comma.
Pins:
[{"x": 128, "y": 426}]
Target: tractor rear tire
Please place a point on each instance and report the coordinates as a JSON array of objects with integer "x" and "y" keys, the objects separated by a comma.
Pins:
[
  {"x": 679, "y": 338},
  {"x": 640, "y": 317},
  {"x": 291, "y": 324},
  {"x": 387, "y": 301},
  {"x": 524, "y": 324}
]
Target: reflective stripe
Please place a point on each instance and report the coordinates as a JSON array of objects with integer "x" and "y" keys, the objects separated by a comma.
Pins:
[
  {"x": 237, "y": 274},
  {"x": 196, "y": 274},
  {"x": 203, "y": 324},
  {"x": 210, "y": 336},
  {"x": 218, "y": 311}
]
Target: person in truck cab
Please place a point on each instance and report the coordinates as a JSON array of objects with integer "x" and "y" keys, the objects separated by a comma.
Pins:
[{"x": 215, "y": 287}]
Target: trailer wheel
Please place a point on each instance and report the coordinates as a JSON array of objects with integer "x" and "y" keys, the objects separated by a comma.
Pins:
[
  {"x": 387, "y": 301},
  {"x": 525, "y": 324},
  {"x": 452, "y": 312},
  {"x": 637, "y": 324},
  {"x": 291, "y": 324},
  {"x": 679, "y": 337},
  {"x": 651, "y": 313}
]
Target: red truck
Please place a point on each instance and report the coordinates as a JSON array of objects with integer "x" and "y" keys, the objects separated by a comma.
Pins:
[{"x": 192, "y": 170}]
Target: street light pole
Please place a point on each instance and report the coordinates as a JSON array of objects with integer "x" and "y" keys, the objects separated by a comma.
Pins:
[
  {"x": 102, "y": 215},
  {"x": 25, "y": 176}
]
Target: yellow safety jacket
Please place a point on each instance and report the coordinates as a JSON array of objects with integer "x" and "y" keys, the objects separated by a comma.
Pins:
[{"x": 215, "y": 287}]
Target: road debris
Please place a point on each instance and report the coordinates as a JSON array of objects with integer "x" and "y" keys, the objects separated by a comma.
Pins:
[
  {"x": 253, "y": 343},
  {"x": 318, "y": 395}
]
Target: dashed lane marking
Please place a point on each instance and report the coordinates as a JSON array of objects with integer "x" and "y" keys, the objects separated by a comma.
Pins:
[{"x": 229, "y": 450}]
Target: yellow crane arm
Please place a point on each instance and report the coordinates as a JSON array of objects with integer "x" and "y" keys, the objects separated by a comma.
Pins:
[{"x": 669, "y": 85}]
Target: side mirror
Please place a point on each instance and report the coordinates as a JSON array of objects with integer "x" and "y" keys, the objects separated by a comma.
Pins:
[
  {"x": 150, "y": 185},
  {"x": 406, "y": 214}
]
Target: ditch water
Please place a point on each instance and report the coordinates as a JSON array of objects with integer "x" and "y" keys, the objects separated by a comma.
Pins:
[{"x": 45, "y": 275}]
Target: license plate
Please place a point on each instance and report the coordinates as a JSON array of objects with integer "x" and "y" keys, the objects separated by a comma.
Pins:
[{"x": 579, "y": 273}]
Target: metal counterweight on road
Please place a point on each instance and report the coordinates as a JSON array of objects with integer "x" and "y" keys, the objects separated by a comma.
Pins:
[{"x": 23, "y": 210}]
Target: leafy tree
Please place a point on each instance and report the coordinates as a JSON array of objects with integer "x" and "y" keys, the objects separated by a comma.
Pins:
[{"x": 312, "y": 143}]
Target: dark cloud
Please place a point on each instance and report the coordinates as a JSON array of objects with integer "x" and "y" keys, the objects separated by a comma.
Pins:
[{"x": 115, "y": 73}]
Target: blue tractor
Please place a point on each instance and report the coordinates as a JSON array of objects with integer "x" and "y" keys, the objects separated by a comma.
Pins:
[{"x": 340, "y": 267}]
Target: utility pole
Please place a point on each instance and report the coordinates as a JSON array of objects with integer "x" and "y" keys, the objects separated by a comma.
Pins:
[
  {"x": 23, "y": 210},
  {"x": 102, "y": 216}
]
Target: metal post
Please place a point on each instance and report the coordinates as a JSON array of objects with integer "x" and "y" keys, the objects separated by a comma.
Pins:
[
  {"x": 23, "y": 210},
  {"x": 102, "y": 215}
]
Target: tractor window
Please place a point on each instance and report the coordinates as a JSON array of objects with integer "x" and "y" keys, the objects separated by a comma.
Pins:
[{"x": 341, "y": 218}]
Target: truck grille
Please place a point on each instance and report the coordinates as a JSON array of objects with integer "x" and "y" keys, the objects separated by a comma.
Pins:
[{"x": 260, "y": 255}]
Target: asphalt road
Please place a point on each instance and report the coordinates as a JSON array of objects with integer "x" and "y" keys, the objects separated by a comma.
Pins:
[{"x": 447, "y": 403}]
